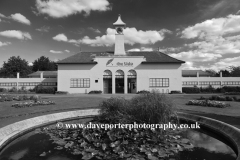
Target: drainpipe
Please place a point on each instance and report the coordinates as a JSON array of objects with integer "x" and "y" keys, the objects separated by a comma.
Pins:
[
  {"x": 17, "y": 79},
  {"x": 198, "y": 79},
  {"x": 221, "y": 80}
]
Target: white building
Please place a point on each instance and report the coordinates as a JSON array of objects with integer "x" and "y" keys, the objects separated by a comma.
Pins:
[{"x": 119, "y": 71}]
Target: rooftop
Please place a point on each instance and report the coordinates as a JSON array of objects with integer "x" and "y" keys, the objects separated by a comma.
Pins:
[{"x": 87, "y": 57}]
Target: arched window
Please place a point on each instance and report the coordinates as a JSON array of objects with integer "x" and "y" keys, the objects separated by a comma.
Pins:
[
  {"x": 119, "y": 74},
  {"x": 107, "y": 74},
  {"x": 132, "y": 74}
]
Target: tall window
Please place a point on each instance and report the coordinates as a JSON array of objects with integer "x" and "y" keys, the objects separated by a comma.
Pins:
[
  {"x": 159, "y": 82},
  {"x": 80, "y": 82}
]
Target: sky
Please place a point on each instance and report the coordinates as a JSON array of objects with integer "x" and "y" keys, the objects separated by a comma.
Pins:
[{"x": 203, "y": 33}]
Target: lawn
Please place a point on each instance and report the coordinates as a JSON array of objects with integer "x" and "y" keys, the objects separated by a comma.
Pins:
[{"x": 10, "y": 114}]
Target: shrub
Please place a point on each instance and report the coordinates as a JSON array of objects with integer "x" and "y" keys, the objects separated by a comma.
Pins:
[
  {"x": 152, "y": 108},
  {"x": 8, "y": 98},
  {"x": 175, "y": 92},
  {"x": 13, "y": 89},
  {"x": 61, "y": 92},
  {"x": 3, "y": 89},
  {"x": 231, "y": 89},
  {"x": 47, "y": 90},
  {"x": 143, "y": 92},
  {"x": 190, "y": 90},
  {"x": 35, "y": 98},
  {"x": 232, "y": 93},
  {"x": 95, "y": 92}
]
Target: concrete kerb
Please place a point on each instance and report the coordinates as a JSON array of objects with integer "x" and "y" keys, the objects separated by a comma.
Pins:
[
  {"x": 12, "y": 131},
  {"x": 231, "y": 133}
]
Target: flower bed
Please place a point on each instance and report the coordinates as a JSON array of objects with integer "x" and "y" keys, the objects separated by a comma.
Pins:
[
  {"x": 221, "y": 98},
  {"x": 7, "y": 97},
  {"x": 32, "y": 103},
  {"x": 208, "y": 103}
]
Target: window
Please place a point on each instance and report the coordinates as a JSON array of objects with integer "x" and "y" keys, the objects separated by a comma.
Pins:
[
  {"x": 159, "y": 82},
  {"x": 210, "y": 83},
  {"x": 190, "y": 83},
  {"x": 80, "y": 83},
  {"x": 231, "y": 83}
]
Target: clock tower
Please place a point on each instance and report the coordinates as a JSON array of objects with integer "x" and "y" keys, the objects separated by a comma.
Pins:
[{"x": 119, "y": 37}]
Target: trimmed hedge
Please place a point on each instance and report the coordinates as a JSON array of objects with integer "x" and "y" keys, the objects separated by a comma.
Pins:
[
  {"x": 61, "y": 92},
  {"x": 143, "y": 92},
  {"x": 232, "y": 93},
  {"x": 47, "y": 90},
  {"x": 210, "y": 89},
  {"x": 95, "y": 92},
  {"x": 175, "y": 92},
  {"x": 190, "y": 90}
]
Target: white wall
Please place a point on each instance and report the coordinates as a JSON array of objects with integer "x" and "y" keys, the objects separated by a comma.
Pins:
[{"x": 95, "y": 72}]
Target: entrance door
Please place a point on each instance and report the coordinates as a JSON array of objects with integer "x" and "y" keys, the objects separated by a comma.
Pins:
[
  {"x": 105, "y": 86},
  {"x": 132, "y": 85},
  {"x": 119, "y": 85}
]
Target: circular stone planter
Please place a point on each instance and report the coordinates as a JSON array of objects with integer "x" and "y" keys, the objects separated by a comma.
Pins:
[{"x": 12, "y": 131}]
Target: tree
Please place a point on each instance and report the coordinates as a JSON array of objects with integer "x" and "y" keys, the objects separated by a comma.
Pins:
[
  {"x": 44, "y": 64},
  {"x": 235, "y": 71},
  {"x": 225, "y": 73},
  {"x": 211, "y": 72},
  {"x": 14, "y": 65}
]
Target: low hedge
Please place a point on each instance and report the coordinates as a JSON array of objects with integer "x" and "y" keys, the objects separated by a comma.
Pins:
[
  {"x": 143, "y": 92},
  {"x": 232, "y": 93},
  {"x": 61, "y": 92},
  {"x": 221, "y": 98},
  {"x": 175, "y": 92},
  {"x": 95, "y": 92},
  {"x": 190, "y": 90},
  {"x": 47, "y": 90}
]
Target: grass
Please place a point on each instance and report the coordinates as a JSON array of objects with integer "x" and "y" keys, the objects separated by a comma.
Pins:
[{"x": 10, "y": 115}]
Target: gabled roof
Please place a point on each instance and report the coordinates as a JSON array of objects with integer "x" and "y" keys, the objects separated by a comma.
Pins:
[
  {"x": 45, "y": 73},
  {"x": 193, "y": 73},
  {"x": 87, "y": 57}
]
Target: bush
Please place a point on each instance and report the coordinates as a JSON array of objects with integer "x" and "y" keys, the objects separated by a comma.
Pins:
[
  {"x": 95, "y": 92},
  {"x": 13, "y": 89},
  {"x": 143, "y": 92},
  {"x": 152, "y": 108},
  {"x": 232, "y": 93},
  {"x": 35, "y": 98},
  {"x": 3, "y": 89},
  {"x": 190, "y": 90},
  {"x": 47, "y": 90},
  {"x": 61, "y": 92},
  {"x": 175, "y": 92},
  {"x": 231, "y": 89}
]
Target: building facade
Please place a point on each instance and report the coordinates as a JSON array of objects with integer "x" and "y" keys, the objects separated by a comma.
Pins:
[{"x": 119, "y": 71}]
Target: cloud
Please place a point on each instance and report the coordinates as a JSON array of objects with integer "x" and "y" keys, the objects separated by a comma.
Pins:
[
  {"x": 131, "y": 35},
  {"x": 164, "y": 31},
  {"x": 20, "y": 18},
  {"x": 4, "y": 43},
  {"x": 213, "y": 27},
  {"x": 195, "y": 56},
  {"x": 65, "y": 8},
  {"x": 56, "y": 52},
  {"x": 141, "y": 49},
  {"x": 16, "y": 34},
  {"x": 224, "y": 63},
  {"x": 94, "y": 30},
  {"x": 2, "y": 16},
  {"x": 61, "y": 37},
  {"x": 43, "y": 29},
  {"x": 189, "y": 66},
  {"x": 67, "y": 51},
  {"x": 238, "y": 12},
  {"x": 30, "y": 63}
]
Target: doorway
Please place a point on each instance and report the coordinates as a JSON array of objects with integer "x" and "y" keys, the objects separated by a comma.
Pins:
[{"x": 107, "y": 85}]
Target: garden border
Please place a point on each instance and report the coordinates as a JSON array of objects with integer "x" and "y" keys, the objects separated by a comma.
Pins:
[{"x": 12, "y": 131}]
